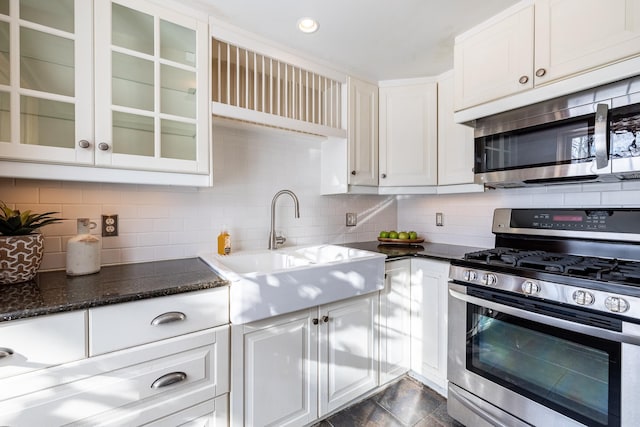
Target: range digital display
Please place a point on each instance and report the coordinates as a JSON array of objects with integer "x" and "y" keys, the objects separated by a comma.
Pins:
[{"x": 567, "y": 218}]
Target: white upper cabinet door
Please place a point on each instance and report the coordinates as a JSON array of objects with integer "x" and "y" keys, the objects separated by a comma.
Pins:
[
  {"x": 46, "y": 85},
  {"x": 408, "y": 135},
  {"x": 573, "y": 36},
  {"x": 152, "y": 100},
  {"x": 363, "y": 133},
  {"x": 455, "y": 142},
  {"x": 496, "y": 60}
]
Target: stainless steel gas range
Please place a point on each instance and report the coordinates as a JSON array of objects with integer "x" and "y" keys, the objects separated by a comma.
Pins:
[{"x": 544, "y": 329}]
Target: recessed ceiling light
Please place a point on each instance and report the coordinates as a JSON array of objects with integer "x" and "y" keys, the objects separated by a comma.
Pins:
[{"x": 308, "y": 25}]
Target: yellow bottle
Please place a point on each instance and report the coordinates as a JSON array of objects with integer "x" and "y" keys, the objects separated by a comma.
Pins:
[{"x": 224, "y": 242}]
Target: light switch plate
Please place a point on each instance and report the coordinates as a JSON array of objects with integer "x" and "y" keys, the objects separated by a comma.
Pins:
[
  {"x": 352, "y": 219},
  {"x": 439, "y": 219}
]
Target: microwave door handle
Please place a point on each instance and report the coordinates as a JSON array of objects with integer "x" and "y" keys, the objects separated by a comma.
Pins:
[{"x": 600, "y": 136}]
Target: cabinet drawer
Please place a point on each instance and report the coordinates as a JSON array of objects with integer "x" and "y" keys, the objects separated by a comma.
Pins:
[
  {"x": 36, "y": 343},
  {"x": 129, "y": 385},
  {"x": 125, "y": 325}
]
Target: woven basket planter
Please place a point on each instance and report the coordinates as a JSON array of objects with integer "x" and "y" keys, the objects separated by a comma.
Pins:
[{"x": 20, "y": 257}]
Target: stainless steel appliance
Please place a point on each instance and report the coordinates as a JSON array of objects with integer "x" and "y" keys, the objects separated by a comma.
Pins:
[
  {"x": 590, "y": 136},
  {"x": 544, "y": 329}
]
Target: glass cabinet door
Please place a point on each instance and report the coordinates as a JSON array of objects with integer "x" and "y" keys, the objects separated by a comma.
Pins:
[
  {"x": 150, "y": 110},
  {"x": 46, "y": 80}
]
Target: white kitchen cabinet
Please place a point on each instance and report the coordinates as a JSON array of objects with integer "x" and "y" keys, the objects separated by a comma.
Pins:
[
  {"x": 119, "y": 326},
  {"x": 149, "y": 111},
  {"x": 362, "y": 129},
  {"x": 408, "y": 133},
  {"x": 394, "y": 320},
  {"x": 291, "y": 369},
  {"x": 455, "y": 141},
  {"x": 37, "y": 343},
  {"x": 429, "y": 321},
  {"x": 153, "y": 369},
  {"x": 495, "y": 59},
  {"x": 572, "y": 36},
  {"x": 542, "y": 41}
]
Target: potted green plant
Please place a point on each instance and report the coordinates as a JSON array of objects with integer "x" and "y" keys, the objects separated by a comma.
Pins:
[{"x": 21, "y": 247}]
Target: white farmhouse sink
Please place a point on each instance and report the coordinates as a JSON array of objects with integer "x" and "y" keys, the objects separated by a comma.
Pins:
[{"x": 268, "y": 283}]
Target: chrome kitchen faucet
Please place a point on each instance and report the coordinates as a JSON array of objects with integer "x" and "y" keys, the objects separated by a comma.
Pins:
[{"x": 275, "y": 240}]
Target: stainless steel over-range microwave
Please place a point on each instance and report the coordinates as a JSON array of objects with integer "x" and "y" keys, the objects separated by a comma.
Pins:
[{"x": 590, "y": 136}]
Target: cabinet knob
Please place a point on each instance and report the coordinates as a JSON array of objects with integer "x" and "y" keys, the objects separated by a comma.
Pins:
[
  {"x": 540, "y": 72},
  {"x": 83, "y": 143},
  {"x": 523, "y": 80},
  {"x": 168, "y": 379},
  {"x": 103, "y": 146},
  {"x": 314, "y": 321},
  {"x": 325, "y": 319},
  {"x": 5, "y": 352},
  {"x": 384, "y": 175},
  {"x": 353, "y": 172}
]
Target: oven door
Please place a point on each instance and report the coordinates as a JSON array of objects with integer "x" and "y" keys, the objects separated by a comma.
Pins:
[{"x": 512, "y": 357}]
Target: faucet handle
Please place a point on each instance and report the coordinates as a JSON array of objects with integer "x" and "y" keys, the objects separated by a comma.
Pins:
[{"x": 280, "y": 240}]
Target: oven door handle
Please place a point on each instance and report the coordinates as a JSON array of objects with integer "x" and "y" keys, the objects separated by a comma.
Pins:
[{"x": 548, "y": 320}]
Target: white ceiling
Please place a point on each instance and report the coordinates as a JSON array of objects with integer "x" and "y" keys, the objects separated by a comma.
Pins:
[{"x": 374, "y": 39}]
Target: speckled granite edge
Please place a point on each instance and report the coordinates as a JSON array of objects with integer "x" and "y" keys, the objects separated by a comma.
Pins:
[{"x": 55, "y": 292}]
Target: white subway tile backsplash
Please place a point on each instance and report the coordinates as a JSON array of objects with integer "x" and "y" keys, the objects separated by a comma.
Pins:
[{"x": 60, "y": 195}]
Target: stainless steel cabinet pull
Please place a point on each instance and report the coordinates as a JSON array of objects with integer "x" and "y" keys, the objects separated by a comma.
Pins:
[
  {"x": 103, "y": 146},
  {"x": 314, "y": 321},
  {"x": 523, "y": 80},
  {"x": 5, "y": 352},
  {"x": 540, "y": 72},
  {"x": 325, "y": 319},
  {"x": 83, "y": 143},
  {"x": 171, "y": 316},
  {"x": 168, "y": 379},
  {"x": 600, "y": 136}
]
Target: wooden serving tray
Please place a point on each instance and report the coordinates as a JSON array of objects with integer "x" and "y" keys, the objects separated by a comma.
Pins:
[{"x": 400, "y": 241}]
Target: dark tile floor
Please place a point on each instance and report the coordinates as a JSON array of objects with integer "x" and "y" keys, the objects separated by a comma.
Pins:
[{"x": 406, "y": 402}]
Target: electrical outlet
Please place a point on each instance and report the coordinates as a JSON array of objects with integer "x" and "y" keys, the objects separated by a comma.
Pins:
[
  {"x": 109, "y": 225},
  {"x": 439, "y": 219},
  {"x": 352, "y": 219}
]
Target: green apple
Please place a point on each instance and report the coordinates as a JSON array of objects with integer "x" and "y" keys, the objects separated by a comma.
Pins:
[
  {"x": 393, "y": 234},
  {"x": 403, "y": 235},
  {"x": 413, "y": 235},
  {"x": 384, "y": 234}
]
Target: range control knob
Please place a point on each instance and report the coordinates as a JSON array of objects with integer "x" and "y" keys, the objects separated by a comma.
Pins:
[
  {"x": 583, "y": 297},
  {"x": 616, "y": 304},
  {"x": 530, "y": 287},
  {"x": 470, "y": 275},
  {"x": 489, "y": 279}
]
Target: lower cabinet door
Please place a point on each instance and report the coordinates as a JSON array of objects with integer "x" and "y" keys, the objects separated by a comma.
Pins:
[
  {"x": 279, "y": 371},
  {"x": 394, "y": 321},
  {"x": 212, "y": 413},
  {"x": 348, "y": 351}
]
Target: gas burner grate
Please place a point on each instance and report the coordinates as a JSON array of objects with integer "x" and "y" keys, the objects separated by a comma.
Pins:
[
  {"x": 555, "y": 263},
  {"x": 501, "y": 256}
]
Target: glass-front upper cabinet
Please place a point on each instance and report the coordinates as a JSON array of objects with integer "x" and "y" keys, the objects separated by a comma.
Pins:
[
  {"x": 151, "y": 66},
  {"x": 46, "y": 103}
]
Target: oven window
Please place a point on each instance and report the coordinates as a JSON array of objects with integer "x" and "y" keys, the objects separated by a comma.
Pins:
[{"x": 574, "y": 374}]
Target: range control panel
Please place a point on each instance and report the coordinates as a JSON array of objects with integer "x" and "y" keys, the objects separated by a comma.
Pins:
[{"x": 625, "y": 221}]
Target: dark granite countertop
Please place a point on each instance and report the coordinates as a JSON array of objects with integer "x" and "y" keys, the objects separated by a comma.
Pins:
[
  {"x": 440, "y": 251},
  {"x": 54, "y": 292}
]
